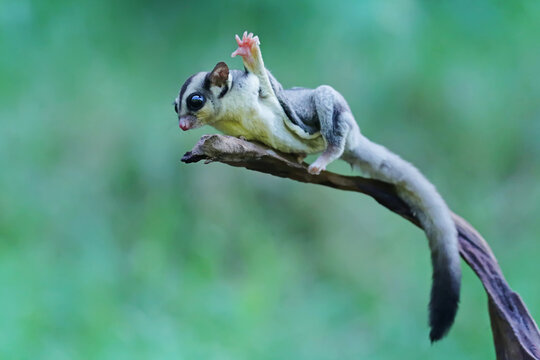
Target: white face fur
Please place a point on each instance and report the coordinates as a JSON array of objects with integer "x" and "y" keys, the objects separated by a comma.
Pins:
[
  {"x": 192, "y": 104},
  {"x": 198, "y": 101}
]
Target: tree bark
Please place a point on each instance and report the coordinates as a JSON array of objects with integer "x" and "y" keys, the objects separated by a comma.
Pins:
[{"x": 515, "y": 334}]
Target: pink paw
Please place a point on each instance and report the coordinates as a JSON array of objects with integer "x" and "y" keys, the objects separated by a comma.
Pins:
[
  {"x": 315, "y": 169},
  {"x": 247, "y": 45}
]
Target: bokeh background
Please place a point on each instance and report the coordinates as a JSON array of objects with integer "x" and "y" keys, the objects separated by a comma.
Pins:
[{"x": 110, "y": 248}]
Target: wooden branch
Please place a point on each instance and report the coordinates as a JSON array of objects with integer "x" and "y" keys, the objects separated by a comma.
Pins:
[{"x": 515, "y": 334}]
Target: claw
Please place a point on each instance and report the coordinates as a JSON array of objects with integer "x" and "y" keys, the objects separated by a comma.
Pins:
[{"x": 238, "y": 40}]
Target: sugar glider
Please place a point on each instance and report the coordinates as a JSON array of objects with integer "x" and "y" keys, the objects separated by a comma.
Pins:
[{"x": 252, "y": 104}]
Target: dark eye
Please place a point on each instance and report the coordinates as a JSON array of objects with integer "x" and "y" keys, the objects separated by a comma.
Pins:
[
  {"x": 175, "y": 107},
  {"x": 195, "y": 101}
]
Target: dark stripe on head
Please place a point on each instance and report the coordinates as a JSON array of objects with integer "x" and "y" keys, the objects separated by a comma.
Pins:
[
  {"x": 182, "y": 91},
  {"x": 207, "y": 82},
  {"x": 223, "y": 91}
]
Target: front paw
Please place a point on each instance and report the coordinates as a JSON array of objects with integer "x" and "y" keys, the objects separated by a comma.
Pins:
[{"x": 247, "y": 46}]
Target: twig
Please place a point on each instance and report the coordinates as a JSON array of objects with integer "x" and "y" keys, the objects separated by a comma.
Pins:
[{"x": 515, "y": 334}]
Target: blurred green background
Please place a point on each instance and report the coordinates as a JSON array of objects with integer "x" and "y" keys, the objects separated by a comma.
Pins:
[{"x": 110, "y": 248}]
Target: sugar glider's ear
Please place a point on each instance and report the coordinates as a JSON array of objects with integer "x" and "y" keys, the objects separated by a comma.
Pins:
[{"x": 220, "y": 74}]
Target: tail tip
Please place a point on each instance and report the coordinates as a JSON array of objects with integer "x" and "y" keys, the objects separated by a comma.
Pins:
[
  {"x": 444, "y": 304},
  {"x": 437, "y": 334},
  {"x": 443, "y": 323}
]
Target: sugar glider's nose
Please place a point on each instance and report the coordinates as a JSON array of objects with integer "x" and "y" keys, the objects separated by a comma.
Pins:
[{"x": 186, "y": 122}]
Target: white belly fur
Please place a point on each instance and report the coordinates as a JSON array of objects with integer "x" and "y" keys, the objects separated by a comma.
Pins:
[{"x": 266, "y": 122}]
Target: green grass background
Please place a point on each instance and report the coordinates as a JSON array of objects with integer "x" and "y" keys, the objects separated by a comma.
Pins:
[{"x": 110, "y": 248}]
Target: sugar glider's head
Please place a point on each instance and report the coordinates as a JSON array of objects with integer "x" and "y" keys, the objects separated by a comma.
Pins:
[{"x": 199, "y": 100}]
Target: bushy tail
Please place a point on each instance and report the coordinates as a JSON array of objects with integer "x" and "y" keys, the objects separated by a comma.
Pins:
[
  {"x": 435, "y": 218},
  {"x": 444, "y": 301}
]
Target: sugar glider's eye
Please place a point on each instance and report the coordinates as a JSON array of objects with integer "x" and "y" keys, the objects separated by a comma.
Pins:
[
  {"x": 175, "y": 106},
  {"x": 195, "y": 101}
]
